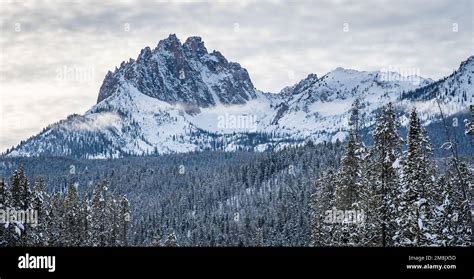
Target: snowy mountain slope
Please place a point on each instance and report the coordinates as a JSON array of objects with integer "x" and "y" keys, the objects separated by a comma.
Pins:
[
  {"x": 321, "y": 105},
  {"x": 180, "y": 98},
  {"x": 455, "y": 93},
  {"x": 132, "y": 123}
]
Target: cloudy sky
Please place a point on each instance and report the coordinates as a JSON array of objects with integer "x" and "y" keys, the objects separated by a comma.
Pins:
[{"x": 54, "y": 54}]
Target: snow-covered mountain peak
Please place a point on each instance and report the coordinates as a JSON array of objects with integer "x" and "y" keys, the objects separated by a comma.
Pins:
[
  {"x": 301, "y": 86},
  {"x": 342, "y": 71},
  {"x": 455, "y": 92},
  {"x": 467, "y": 65},
  {"x": 346, "y": 84},
  {"x": 182, "y": 74},
  {"x": 171, "y": 43}
]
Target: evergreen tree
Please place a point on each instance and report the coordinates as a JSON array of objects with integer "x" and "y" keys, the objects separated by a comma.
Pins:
[
  {"x": 86, "y": 217},
  {"x": 112, "y": 212},
  {"x": 258, "y": 238},
  {"x": 99, "y": 222},
  {"x": 370, "y": 202},
  {"x": 5, "y": 237},
  {"x": 322, "y": 201},
  {"x": 382, "y": 176},
  {"x": 417, "y": 202},
  {"x": 20, "y": 190},
  {"x": 39, "y": 200},
  {"x": 71, "y": 233},
  {"x": 156, "y": 242},
  {"x": 171, "y": 241},
  {"x": 123, "y": 222},
  {"x": 20, "y": 200},
  {"x": 454, "y": 215},
  {"x": 349, "y": 181},
  {"x": 4, "y": 195},
  {"x": 54, "y": 224},
  {"x": 349, "y": 176}
]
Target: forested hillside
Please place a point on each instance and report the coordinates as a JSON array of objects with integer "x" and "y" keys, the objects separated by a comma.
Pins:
[{"x": 210, "y": 199}]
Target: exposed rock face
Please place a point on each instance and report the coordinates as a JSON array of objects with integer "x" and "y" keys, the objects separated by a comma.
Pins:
[{"x": 182, "y": 73}]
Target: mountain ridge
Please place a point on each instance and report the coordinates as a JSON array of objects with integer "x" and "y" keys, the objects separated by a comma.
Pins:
[{"x": 180, "y": 98}]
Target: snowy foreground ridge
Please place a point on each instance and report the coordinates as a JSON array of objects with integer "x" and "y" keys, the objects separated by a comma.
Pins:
[{"x": 181, "y": 98}]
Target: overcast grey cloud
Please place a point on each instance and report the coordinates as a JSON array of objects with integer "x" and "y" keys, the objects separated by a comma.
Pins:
[{"x": 54, "y": 54}]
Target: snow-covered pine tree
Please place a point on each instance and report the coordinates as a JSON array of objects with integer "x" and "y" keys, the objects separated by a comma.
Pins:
[
  {"x": 20, "y": 190},
  {"x": 20, "y": 200},
  {"x": 5, "y": 236},
  {"x": 382, "y": 176},
  {"x": 86, "y": 221},
  {"x": 171, "y": 241},
  {"x": 417, "y": 203},
  {"x": 54, "y": 223},
  {"x": 99, "y": 222},
  {"x": 123, "y": 222},
  {"x": 258, "y": 237},
  {"x": 113, "y": 215},
  {"x": 4, "y": 195},
  {"x": 454, "y": 213},
  {"x": 39, "y": 200},
  {"x": 291, "y": 196},
  {"x": 370, "y": 200},
  {"x": 322, "y": 200},
  {"x": 349, "y": 175},
  {"x": 72, "y": 222},
  {"x": 156, "y": 242},
  {"x": 349, "y": 180}
]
